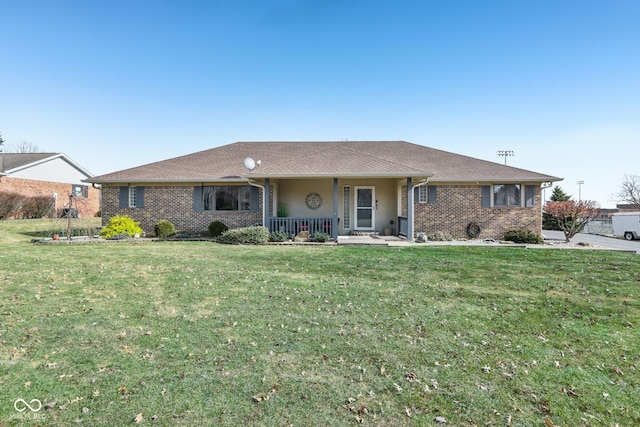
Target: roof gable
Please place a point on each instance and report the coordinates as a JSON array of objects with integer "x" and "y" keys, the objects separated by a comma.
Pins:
[
  {"x": 322, "y": 159},
  {"x": 13, "y": 163}
]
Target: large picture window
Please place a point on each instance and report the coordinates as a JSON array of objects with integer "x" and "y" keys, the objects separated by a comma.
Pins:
[
  {"x": 226, "y": 198},
  {"x": 506, "y": 195}
]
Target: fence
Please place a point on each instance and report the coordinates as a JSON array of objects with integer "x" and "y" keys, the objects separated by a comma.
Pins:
[{"x": 600, "y": 226}]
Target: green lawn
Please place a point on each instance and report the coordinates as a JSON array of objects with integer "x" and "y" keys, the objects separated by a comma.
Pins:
[{"x": 197, "y": 333}]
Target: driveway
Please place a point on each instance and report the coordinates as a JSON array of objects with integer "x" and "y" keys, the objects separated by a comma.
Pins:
[{"x": 593, "y": 239}]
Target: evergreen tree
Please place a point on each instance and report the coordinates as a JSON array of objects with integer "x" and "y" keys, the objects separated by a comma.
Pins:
[
  {"x": 559, "y": 195},
  {"x": 550, "y": 222}
]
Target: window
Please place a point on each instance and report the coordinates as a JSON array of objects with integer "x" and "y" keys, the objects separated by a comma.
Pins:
[
  {"x": 506, "y": 195},
  {"x": 132, "y": 197},
  {"x": 226, "y": 198},
  {"x": 79, "y": 190},
  {"x": 422, "y": 194},
  {"x": 425, "y": 194}
]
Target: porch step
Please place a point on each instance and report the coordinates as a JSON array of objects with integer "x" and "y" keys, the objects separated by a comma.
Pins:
[
  {"x": 365, "y": 233},
  {"x": 361, "y": 240}
]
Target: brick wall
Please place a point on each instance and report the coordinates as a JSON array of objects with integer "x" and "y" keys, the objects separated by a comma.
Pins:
[
  {"x": 174, "y": 204},
  {"x": 458, "y": 205},
  {"x": 87, "y": 207}
]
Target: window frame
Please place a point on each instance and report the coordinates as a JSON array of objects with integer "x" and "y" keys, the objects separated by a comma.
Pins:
[
  {"x": 508, "y": 195},
  {"x": 78, "y": 190},
  {"x": 240, "y": 196},
  {"x": 132, "y": 200}
]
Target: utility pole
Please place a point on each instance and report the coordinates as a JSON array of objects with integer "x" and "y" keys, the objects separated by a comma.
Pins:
[
  {"x": 580, "y": 190},
  {"x": 505, "y": 154}
]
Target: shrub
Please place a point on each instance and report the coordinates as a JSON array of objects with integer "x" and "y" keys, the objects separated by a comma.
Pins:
[
  {"x": 246, "y": 235},
  {"x": 121, "y": 224},
  {"x": 321, "y": 237},
  {"x": 164, "y": 229},
  {"x": 216, "y": 228},
  {"x": 278, "y": 236},
  {"x": 522, "y": 236},
  {"x": 38, "y": 207},
  {"x": 10, "y": 204}
]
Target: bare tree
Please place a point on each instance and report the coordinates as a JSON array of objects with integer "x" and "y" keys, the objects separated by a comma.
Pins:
[
  {"x": 24, "y": 147},
  {"x": 629, "y": 191},
  {"x": 1, "y": 143},
  {"x": 572, "y": 216}
]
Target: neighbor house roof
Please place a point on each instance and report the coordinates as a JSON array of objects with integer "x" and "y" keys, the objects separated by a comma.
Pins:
[
  {"x": 14, "y": 162},
  {"x": 323, "y": 159}
]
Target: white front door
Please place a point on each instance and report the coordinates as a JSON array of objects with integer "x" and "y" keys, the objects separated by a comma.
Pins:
[{"x": 365, "y": 208}]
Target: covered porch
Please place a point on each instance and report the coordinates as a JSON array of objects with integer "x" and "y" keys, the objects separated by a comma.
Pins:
[{"x": 340, "y": 206}]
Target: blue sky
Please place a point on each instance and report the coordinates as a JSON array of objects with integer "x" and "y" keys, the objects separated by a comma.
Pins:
[{"x": 117, "y": 84}]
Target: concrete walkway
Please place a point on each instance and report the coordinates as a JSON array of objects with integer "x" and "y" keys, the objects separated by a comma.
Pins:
[{"x": 553, "y": 239}]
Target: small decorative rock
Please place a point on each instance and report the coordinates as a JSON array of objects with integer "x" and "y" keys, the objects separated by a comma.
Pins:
[{"x": 302, "y": 236}]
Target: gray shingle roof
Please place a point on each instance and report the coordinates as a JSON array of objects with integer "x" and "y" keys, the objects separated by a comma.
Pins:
[
  {"x": 15, "y": 160},
  {"x": 323, "y": 159}
]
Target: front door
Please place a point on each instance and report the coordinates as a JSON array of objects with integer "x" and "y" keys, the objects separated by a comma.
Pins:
[{"x": 365, "y": 208}]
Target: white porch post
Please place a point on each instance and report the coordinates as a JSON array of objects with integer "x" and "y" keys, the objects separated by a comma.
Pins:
[
  {"x": 334, "y": 220},
  {"x": 265, "y": 205},
  {"x": 409, "y": 210}
]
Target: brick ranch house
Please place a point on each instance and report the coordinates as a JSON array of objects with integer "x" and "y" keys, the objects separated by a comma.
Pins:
[
  {"x": 49, "y": 174},
  {"x": 341, "y": 188}
]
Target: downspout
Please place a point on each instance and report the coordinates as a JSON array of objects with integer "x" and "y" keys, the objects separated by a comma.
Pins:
[
  {"x": 410, "y": 215},
  {"x": 265, "y": 201}
]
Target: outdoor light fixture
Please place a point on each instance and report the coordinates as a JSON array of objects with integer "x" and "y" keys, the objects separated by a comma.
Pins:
[{"x": 505, "y": 154}]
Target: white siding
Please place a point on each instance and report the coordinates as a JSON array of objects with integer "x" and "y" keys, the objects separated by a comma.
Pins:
[{"x": 56, "y": 170}]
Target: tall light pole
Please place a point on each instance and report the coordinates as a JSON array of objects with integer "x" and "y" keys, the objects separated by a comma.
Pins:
[
  {"x": 580, "y": 190},
  {"x": 505, "y": 154}
]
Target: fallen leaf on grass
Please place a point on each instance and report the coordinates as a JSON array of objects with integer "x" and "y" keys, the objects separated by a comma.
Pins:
[
  {"x": 618, "y": 370},
  {"x": 548, "y": 422},
  {"x": 441, "y": 420},
  {"x": 259, "y": 398},
  {"x": 138, "y": 419},
  {"x": 262, "y": 397}
]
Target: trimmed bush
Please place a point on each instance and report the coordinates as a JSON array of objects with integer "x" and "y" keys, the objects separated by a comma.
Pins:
[
  {"x": 246, "y": 235},
  {"x": 10, "y": 204},
  {"x": 278, "y": 236},
  {"x": 38, "y": 207},
  {"x": 121, "y": 224},
  {"x": 164, "y": 229},
  {"x": 522, "y": 236},
  {"x": 321, "y": 237},
  {"x": 216, "y": 228}
]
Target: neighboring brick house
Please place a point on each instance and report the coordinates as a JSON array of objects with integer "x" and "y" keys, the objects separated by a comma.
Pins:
[
  {"x": 335, "y": 187},
  {"x": 49, "y": 174}
]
